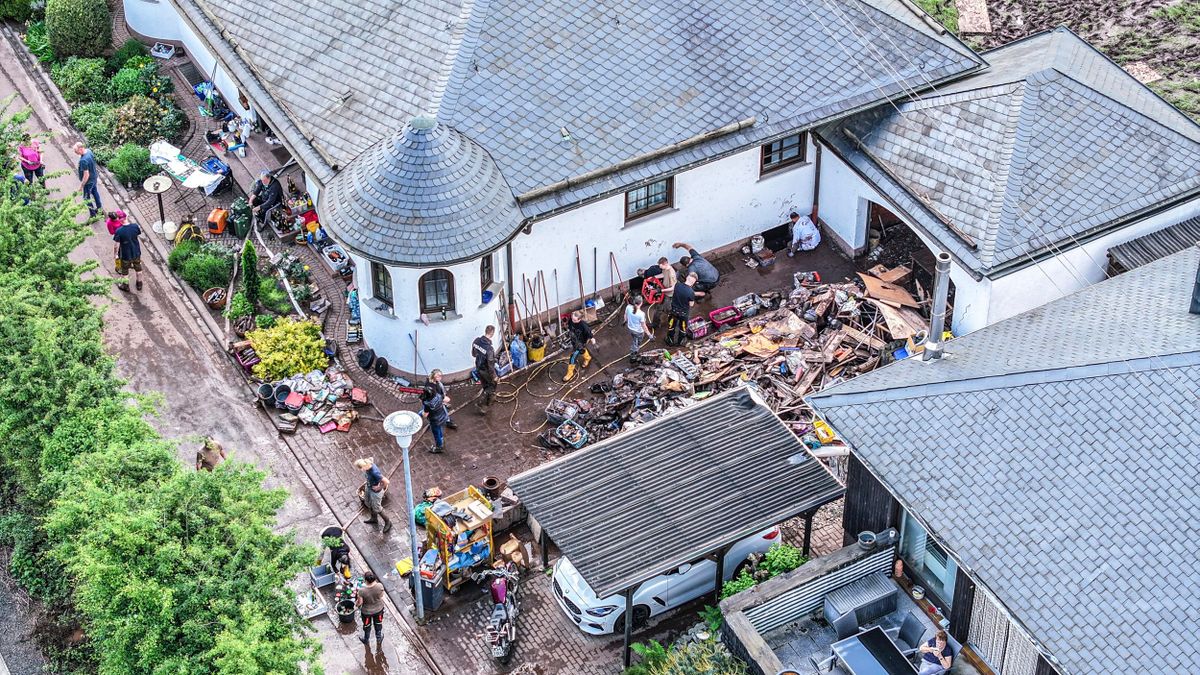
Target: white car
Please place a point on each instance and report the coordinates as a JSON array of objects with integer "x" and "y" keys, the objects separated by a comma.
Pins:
[{"x": 601, "y": 616}]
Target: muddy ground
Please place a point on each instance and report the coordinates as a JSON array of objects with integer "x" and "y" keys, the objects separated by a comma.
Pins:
[{"x": 1164, "y": 34}]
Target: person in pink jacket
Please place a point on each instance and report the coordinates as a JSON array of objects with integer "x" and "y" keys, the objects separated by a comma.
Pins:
[
  {"x": 114, "y": 221},
  {"x": 29, "y": 154}
]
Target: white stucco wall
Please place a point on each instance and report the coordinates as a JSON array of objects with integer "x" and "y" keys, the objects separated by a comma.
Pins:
[
  {"x": 843, "y": 207},
  {"x": 153, "y": 18},
  {"x": 715, "y": 204},
  {"x": 444, "y": 344},
  {"x": 1073, "y": 269}
]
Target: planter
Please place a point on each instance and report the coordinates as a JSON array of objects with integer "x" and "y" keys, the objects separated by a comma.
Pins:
[
  {"x": 492, "y": 486},
  {"x": 266, "y": 392},
  {"x": 214, "y": 298}
]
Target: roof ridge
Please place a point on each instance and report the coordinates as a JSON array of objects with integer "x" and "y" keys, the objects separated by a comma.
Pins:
[
  {"x": 1011, "y": 380},
  {"x": 1017, "y": 164},
  {"x": 459, "y": 55},
  {"x": 1004, "y": 175}
]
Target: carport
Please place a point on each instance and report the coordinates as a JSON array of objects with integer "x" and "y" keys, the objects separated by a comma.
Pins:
[{"x": 679, "y": 489}]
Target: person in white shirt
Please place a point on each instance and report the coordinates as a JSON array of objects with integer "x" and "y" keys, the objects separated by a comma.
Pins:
[
  {"x": 635, "y": 321},
  {"x": 805, "y": 235}
]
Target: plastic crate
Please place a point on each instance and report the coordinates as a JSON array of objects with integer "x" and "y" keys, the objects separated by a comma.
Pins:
[
  {"x": 571, "y": 433},
  {"x": 725, "y": 316},
  {"x": 690, "y": 370},
  {"x": 698, "y": 327},
  {"x": 559, "y": 411}
]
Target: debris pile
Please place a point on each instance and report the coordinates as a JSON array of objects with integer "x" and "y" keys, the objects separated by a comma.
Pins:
[
  {"x": 324, "y": 399},
  {"x": 786, "y": 345}
]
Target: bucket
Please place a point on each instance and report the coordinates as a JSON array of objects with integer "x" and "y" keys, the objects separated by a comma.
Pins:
[
  {"x": 536, "y": 353},
  {"x": 157, "y": 227},
  {"x": 345, "y": 610},
  {"x": 281, "y": 394},
  {"x": 492, "y": 487},
  {"x": 266, "y": 392},
  {"x": 757, "y": 243},
  {"x": 169, "y": 229}
]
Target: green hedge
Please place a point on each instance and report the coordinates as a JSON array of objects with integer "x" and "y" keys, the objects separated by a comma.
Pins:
[
  {"x": 18, "y": 10},
  {"x": 81, "y": 80},
  {"x": 164, "y": 569},
  {"x": 131, "y": 164},
  {"x": 78, "y": 27}
]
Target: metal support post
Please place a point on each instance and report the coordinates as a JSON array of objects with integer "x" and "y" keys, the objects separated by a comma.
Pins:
[
  {"x": 808, "y": 518},
  {"x": 412, "y": 535},
  {"x": 628, "y": 654}
]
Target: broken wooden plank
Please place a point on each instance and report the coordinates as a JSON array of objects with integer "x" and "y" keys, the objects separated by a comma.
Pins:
[
  {"x": 864, "y": 339},
  {"x": 890, "y": 293}
]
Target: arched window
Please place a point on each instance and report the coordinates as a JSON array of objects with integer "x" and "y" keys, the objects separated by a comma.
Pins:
[
  {"x": 437, "y": 292},
  {"x": 381, "y": 283}
]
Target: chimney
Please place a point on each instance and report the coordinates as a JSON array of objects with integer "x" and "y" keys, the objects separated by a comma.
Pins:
[
  {"x": 937, "y": 316},
  {"x": 1195, "y": 309}
]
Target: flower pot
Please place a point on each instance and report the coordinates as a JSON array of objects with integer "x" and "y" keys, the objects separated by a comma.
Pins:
[{"x": 214, "y": 298}]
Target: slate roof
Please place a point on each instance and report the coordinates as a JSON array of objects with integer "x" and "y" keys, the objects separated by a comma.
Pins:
[
  {"x": 428, "y": 193},
  {"x": 1054, "y": 455},
  {"x": 1053, "y": 144},
  {"x": 623, "y": 78},
  {"x": 1157, "y": 244},
  {"x": 647, "y": 501}
]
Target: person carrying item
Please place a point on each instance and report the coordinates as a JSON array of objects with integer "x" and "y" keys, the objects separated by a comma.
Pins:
[
  {"x": 707, "y": 276},
  {"x": 435, "y": 407},
  {"x": 667, "y": 279},
  {"x": 128, "y": 253},
  {"x": 485, "y": 366},
  {"x": 681, "y": 310},
  {"x": 29, "y": 154},
  {"x": 266, "y": 196},
  {"x": 805, "y": 235},
  {"x": 936, "y": 655},
  {"x": 376, "y": 488},
  {"x": 581, "y": 336},
  {"x": 209, "y": 455},
  {"x": 370, "y": 607},
  {"x": 88, "y": 179},
  {"x": 639, "y": 329}
]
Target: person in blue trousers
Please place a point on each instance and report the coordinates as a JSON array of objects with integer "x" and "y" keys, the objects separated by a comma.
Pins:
[
  {"x": 435, "y": 407},
  {"x": 88, "y": 178}
]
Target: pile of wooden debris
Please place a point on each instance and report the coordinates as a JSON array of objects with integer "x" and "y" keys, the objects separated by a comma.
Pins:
[{"x": 788, "y": 346}]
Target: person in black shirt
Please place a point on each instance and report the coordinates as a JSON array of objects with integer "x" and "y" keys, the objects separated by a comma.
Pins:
[
  {"x": 485, "y": 366},
  {"x": 267, "y": 195},
  {"x": 681, "y": 306},
  {"x": 581, "y": 337},
  {"x": 636, "y": 282}
]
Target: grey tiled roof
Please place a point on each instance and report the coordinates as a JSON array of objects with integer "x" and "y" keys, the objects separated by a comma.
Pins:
[
  {"x": 1054, "y": 455},
  {"x": 1050, "y": 144},
  {"x": 623, "y": 79},
  {"x": 427, "y": 194}
]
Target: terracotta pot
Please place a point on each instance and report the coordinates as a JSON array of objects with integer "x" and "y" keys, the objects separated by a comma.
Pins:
[{"x": 214, "y": 298}]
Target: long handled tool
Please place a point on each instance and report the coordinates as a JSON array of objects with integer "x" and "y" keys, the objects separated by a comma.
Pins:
[
  {"x": 595, "y": 272},
  {"x": 579, "y": 269},
  {"x": 612, "y": 257},
  {"x": 533, "y": 292},
  {"x": 545, "y": 294},
  {"x": 557, "y": 302}
]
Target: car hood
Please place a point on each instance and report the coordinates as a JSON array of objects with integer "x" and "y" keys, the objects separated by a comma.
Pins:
[{"x": 569, "y": 578}]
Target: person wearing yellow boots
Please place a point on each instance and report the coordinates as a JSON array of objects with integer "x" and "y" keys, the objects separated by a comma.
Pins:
[{"x": 581, "y": 337}]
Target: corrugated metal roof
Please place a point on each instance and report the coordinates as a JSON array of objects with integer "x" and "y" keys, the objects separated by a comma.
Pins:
[
  {"x": 675, "y": 490},
  {"x": 1158, "y": 244}
]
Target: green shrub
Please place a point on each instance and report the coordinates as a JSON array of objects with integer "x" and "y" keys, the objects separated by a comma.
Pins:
[
  {"x": 129, "y": 49},
  {"x": 95, "y": 121},
  {"x": 709, "y": 657},
  {"x": 172, "y": 122},
  {"x": 80, "y": 80},
  {"x": 139, "y": 62},
  {"x": 137, "y": 121},
  {"x": 78, "y": 27},
  {"x": 239, "y": 306},
  {"x": 38, "y": 43},
  {"x": 287, "y": 348},
  {"x": 781, "y": 558},
  {"x": 181, "y": 253},
  {"x": 250, "y": 280},
  {"x": 131, "y": 164},
  {"x": 274, "y": 298},
  {"x": 203, "y": 271},
  {"x": 264, "y": 320},
  {"x": 104, "y": 153},
  {"x": 738, "y": 584},
  {"x": 18, "y": 10},
  {"x": 127, "y": 83}
]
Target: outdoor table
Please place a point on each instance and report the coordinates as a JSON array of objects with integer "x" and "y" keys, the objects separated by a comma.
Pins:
[
  {"x": 184, "y": 169},
  {"x": 872, "y": 652}
]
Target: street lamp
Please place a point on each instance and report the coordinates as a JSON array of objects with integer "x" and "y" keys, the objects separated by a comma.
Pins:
[{"x": 404, "y": 424}]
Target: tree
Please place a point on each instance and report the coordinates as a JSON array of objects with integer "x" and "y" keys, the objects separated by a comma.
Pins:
[
  {"x": 168, "y": 570},
  {"x": 250, "y": 273},
  {"x": 78, "y": 27}
]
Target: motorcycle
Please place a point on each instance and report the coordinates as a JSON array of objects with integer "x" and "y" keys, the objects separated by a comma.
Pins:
[{"x": 501, "y": 631}]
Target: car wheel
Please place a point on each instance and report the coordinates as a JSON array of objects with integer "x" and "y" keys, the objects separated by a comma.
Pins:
[
  {"x": 641, "y": 614},
  {"x": 743, "y": 566}
]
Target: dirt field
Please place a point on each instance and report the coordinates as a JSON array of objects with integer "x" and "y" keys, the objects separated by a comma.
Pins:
[{"x": 1163, "y": 34}]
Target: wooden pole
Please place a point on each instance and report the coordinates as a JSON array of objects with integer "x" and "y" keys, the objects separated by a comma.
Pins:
[
  {"x": 579, "y": 269},
  {"x": 537, "y": 313},
  {"x": 557, "y": 302}
]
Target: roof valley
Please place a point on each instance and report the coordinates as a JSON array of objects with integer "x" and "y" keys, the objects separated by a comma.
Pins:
[
  {"x": 1004, "y": 177},
  {"x": 458, "y": 58}
]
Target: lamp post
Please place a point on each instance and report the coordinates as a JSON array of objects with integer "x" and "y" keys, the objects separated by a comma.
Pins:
[{"x": 403, "y": 425}]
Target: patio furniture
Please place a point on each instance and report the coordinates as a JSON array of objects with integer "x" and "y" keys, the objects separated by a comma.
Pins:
[
  {"x": 845, "y": 626},
  {"x": 871, "y": 652},
  {"x": 908, "y": 636},
  {"x": 868, "y": 598}
]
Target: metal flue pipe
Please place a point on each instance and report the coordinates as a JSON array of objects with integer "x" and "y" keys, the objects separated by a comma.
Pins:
[{"x": 937, "y": 317}]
